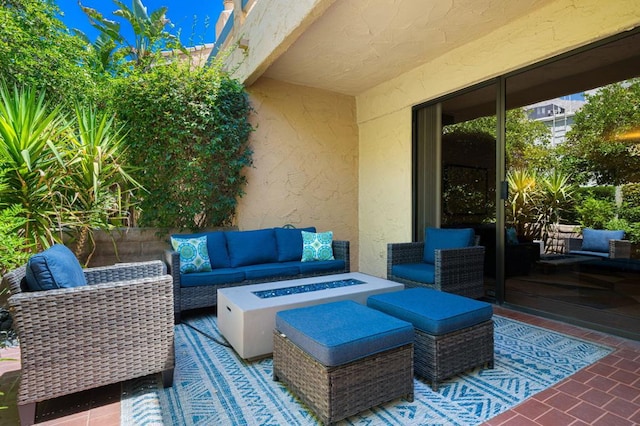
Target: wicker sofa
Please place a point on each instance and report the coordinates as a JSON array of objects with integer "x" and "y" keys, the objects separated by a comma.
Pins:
[
  {"x": 599, "y": 243},
  {"x": 79, "y": 338},
  {"x": 248, "y": 257},
  {"x": 458, "y": 270}
]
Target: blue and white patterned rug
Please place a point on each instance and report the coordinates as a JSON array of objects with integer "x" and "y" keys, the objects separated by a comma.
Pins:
[{"x": 213, "y": 386}]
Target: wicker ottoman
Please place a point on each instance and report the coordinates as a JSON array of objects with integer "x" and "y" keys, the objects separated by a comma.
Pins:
[
  {"x": 342, "y": 358},
  {"x": 453, "y": 333}
]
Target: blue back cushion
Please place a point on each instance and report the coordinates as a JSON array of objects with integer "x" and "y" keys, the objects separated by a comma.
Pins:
[
  {"x": 438, "y": 239},
  {"x": 56, "y": 267},
  {"x": 598, "y": 239},
  {"x": 252, "y": 247},
  {"x": 216, "y": 247},
  {"x": 290, "y": 243}
]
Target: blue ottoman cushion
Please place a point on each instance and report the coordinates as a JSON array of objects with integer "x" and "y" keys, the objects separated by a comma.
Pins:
[
  {"x": 340, "y": 332},
  {"x": 432, "y": 311}
]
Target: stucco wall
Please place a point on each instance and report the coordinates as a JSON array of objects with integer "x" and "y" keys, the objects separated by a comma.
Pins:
[
  {"x": 384, "y": 112},
  {"x": 305, "y": 162}
]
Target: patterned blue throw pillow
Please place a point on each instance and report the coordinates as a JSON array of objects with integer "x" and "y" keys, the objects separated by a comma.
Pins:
[
  {"x": 194, "y": 256},
  {"x": 317, "y": 246}
]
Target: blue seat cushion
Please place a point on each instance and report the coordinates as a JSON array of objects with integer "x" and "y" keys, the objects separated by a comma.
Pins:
[
  {"x": 56, "y": 267},
  {"x": 215, "y": 277},
  {"x": 441, "y": 239},
  {"x": 290, "y": 243},
  {"x": 598, "y": 239},
  {"x": 434, "y": 312},
  {"x": 216, "y": 247},
  {"x": 320, "y": 266},
  {"x": 268, "y": 270},
  {"x": 421, "y": 272},
  {"x": 340, "y": 332},
  {"x": 252, "y": 247},
  {"x": 590, "y": 253}
]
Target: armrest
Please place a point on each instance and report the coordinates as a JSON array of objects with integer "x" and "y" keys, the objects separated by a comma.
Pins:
[
  {"x": 399, "y": 253},
  {"x": 124, "y": 271},
  {"x": 572, "y": 244},
  {"x": 619, "y": 249},
  {"x": 460, "y": 271},
  {"x": 172, "y": 259},
  {"x": 341, "y": 252}
]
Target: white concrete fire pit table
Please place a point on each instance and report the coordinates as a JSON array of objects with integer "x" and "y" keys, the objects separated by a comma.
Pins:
[{"x": 246, "y": 314}]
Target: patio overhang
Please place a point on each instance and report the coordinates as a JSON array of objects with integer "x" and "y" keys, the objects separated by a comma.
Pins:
[{"x": 350, "y": 46}]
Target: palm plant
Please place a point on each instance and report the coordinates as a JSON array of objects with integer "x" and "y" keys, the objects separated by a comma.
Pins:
[
  {"x": 29, "y": 128},
  {"x": 97, "y": 176},
  {"x": 150, "y": 36},
  {"x": 523, "y": 200},
  {"x": 557, "y": 192}
]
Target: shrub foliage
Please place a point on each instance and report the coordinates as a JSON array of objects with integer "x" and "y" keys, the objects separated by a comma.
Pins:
[{"x": 188, "y": 133}]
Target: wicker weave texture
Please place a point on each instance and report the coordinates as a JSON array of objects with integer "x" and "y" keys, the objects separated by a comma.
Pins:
[
  {"x": 459, "y": 271},
  {"x": 117, "y": 328},
  {"x": 439, "y": 357},
  {"x": 186, "y": 298},
  {"x": 335, "y": 393}
]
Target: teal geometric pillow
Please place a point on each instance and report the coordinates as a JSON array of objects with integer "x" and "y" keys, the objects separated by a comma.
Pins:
[
  {"x": 194, "y": 256},
  {"x": 317, "y": 246}
]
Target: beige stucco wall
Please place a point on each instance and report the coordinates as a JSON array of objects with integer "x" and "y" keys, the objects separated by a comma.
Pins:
[
  {"x": 305, "y": 161},
  {"x": 384, "y": 112}
]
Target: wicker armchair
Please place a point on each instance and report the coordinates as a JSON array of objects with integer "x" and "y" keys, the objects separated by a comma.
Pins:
[
  {"x": 118, "y": 327},
  {"x": 459, "y": 271},
  {"x": 618, "y": 249}
]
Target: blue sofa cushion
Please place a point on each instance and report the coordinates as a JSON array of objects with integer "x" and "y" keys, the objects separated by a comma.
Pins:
[
  {"x": 317, "y": 246},
  {"x": 215, "y": 277},
  {"x": 252, "y": 247},
  {"x": 340, "y": 332},
  {"x": 269, "y": 270},
  {"x": 56, "y": 267},
  {"x": 290, "y": 243},
  {"x": 439, "y": 239},
  {"x": 216, "y": 247},
  {"x": 321, "y": 266},
  {"x": 421, "y": 272},
  {"x": 434, "y": 312},
  {"x": 598, "y": 239},
  {"x": 589, "y": 253},
  {"x": 194, "y": 256}
]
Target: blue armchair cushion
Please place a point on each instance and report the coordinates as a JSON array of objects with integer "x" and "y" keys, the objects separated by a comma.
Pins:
[
  {"x": 598, "y": 239},
  {"x": 216, "y": 247},
  {"x": 439, "y": 239},
  {"x": 420, "y": 272},
  {"x": 252, "y": 247},
  {"x": 194, "y": 256},
  {"x": 56, "y": 267},
  {"x": 317, "y": 246},
  {"x": 290, "y": 243},
  {"x": 340, "y": 332}
]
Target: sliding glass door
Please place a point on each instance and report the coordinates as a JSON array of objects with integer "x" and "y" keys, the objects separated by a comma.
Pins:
[{"x": 533, "y": 159}]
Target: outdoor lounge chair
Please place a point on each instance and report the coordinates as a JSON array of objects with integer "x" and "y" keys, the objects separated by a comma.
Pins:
[
  {"x": 447, "y": 261},
  {"x": 117, "y": 327},
  {"x": 599, "y": 243}
]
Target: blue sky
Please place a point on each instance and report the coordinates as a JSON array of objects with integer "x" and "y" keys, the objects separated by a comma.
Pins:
[{"x": 180, "y": 12}]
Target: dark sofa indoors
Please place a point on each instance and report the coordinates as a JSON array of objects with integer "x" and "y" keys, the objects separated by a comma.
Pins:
[{"x": 248, "y": 257}]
